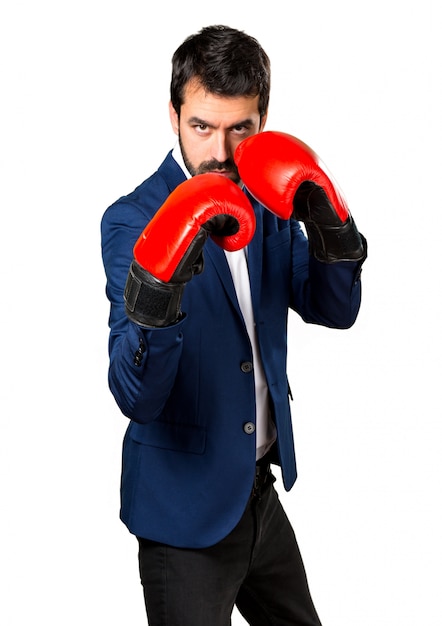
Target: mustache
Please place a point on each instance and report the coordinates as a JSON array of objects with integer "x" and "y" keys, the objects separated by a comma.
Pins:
[{"x": 209, "y": 166}]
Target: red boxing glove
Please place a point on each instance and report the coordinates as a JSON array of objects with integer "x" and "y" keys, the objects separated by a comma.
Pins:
[
  {"x": 168, "y": 253},
  {"x": 288, "y": 178}
]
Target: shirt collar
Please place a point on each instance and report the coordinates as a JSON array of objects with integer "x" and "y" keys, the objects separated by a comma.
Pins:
[{"x": 178, "y": 156}]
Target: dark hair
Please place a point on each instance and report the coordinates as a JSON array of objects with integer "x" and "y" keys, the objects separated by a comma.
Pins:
[{"x": 226, "y": 61}]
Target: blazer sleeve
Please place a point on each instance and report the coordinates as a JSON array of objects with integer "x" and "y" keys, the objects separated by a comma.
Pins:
[
  {"x": 136, "y": 354},
  {"x": 328, "y": 294}
]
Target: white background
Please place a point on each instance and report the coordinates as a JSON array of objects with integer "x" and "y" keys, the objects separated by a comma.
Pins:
[{"x": 84, "y": 120}]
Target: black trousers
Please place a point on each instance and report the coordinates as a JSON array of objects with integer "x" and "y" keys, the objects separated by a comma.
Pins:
[{"x": 258, "y": 567}]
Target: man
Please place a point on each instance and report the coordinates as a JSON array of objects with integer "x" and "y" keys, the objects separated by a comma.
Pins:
[{"x": 201, "y": 273}]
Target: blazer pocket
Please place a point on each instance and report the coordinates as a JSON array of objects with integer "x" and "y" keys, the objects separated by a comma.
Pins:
[{"x": 169, "y": 436}]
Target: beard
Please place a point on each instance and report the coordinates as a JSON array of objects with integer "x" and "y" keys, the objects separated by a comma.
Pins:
[{"x": 228, "y": 166}]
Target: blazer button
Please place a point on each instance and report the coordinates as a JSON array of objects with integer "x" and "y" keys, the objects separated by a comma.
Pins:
[
  {"x": 249, "y": 428},
  {"x": 142, "y": 347},
  {"x": 246, "y": 367},
  {"x": 138, "y": 357}
]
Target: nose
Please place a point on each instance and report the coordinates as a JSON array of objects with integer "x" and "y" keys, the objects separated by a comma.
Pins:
[{"x": 221, "y": 149}]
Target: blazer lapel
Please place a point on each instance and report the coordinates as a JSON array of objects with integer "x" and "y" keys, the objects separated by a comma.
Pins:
[
  {"x": 254, "y": 254},
  {"x": 215, "y": 255}
]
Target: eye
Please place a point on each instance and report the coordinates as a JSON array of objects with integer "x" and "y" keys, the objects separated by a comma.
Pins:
[
  {"x": 241, "y": 129},
  {"x": 201, "y": 129}
]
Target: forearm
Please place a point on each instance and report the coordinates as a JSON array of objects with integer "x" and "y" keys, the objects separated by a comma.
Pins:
[
  {"x": 140, "y": 374},
  {"x": 333, "y": 294},
  {"x": 328, "y": 294},
  {"x": 142, "y": 371}
]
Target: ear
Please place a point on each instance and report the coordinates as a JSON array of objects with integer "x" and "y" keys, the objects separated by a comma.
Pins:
[{"x": 174, "y": 120}]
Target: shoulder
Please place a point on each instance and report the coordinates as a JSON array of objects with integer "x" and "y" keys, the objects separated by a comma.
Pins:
[{"x": 143, "y": 202}]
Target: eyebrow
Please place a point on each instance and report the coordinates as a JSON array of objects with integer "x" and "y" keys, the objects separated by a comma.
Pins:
[{"x": 197, "y": 120}]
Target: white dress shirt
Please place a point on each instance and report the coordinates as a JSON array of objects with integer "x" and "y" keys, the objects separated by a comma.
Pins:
[{"x": 237, "y": 261}]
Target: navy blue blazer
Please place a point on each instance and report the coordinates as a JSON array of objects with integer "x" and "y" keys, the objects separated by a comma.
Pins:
[{"x": 188, "y": 460}]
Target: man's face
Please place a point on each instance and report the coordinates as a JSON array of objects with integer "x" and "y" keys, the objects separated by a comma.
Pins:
[{"x": 210, "y": 127}]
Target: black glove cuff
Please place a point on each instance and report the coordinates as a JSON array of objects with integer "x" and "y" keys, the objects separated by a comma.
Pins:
[
  {"x": 331, "y": 244},
  {"x": 149, "y": 301}
]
